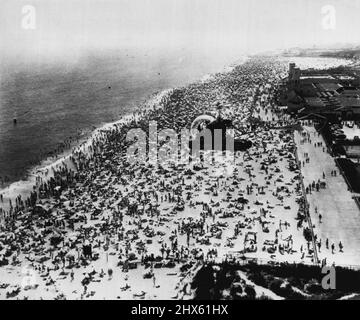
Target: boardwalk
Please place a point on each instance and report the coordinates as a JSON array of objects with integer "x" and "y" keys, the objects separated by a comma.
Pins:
[{"x": 340, "y": 214}]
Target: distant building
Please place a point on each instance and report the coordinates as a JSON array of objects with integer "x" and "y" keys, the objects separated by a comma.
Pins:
[
  {"x": 294, "y": 75},
  {"x": 332, "y": 93}
]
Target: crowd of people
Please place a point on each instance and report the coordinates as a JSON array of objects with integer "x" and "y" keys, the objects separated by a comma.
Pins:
[{"x": 95, "y": 216}]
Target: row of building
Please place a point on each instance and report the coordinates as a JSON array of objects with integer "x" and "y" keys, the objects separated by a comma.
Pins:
[
  {"x": 330, "y": 96},
  {"x": 330, "y": 93}
]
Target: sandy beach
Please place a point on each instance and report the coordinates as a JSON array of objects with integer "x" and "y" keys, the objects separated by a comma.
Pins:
[{"x": 93, "y": 226}]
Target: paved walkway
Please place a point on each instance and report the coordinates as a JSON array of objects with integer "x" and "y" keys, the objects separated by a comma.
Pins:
[{"x": 340, "y": 214}]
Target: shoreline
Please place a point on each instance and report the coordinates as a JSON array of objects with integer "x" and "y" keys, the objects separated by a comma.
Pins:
[
  {"x": 25, "y": 185},
  {"x": 48, "y": 162}
]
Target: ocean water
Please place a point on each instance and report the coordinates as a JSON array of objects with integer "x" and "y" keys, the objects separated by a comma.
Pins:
[{"x": 53, "y": 102}]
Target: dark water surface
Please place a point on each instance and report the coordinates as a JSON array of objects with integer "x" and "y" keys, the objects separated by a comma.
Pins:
[{"x": 53, "y": 102}]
